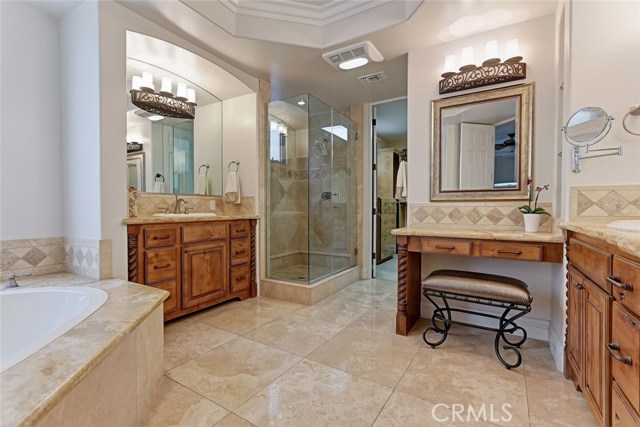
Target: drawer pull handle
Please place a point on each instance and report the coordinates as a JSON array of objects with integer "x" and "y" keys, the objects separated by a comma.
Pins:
[
  {"x": 449, "y": 248},
  {"x": 238, "y": 279},
  {"x": 241, "y": 230},
  {"x": 504, "y": 251},
  {"x": 161, "y": 266},
  {"x": 615, "y": 281},
  {"x": 241, "y": 251},
  {"x": 614, "y": 349},
  {"x": 163, "y": 237},
  {"x": 579, "y": 286}
]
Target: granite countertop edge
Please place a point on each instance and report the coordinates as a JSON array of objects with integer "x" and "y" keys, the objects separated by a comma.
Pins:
[
  {"x": 554, "y": 236},
  {"x": 173, "y": 220}
]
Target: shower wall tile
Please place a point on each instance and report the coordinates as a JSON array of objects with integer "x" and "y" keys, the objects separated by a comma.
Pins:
[
  {"x": 502, "y": 215},
  {"x": 604, "y": 203},
  {"x": 35, "y": 256}
]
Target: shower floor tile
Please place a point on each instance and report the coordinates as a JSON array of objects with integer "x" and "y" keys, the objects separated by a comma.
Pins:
[{"x": 300, "y": 272}]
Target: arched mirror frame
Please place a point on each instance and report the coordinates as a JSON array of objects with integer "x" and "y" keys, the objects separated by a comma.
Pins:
[{"x": 525, "y": 95}]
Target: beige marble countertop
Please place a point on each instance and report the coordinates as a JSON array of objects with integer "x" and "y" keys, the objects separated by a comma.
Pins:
[
  {"x": 33, "y": 386},
  {"x": 171, "y": 220},
  {"x": 479, "y": 233},
  {"x": 627, "y": 241}
]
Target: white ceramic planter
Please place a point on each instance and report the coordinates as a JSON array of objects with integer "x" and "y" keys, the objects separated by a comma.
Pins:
[{"x": 531, "y": 222}]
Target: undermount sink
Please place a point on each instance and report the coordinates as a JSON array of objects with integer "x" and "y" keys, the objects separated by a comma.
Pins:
[
  {"x": 628, "y": 225},
  {"x": 186, "y": 215}
]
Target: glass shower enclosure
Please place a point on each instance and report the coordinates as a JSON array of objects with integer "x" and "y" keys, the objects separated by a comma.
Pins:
[{"x": 311, "y": 190}]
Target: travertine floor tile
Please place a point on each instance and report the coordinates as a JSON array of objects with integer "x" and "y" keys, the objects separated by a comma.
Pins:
[
  {"x": 296, "y": 334},
  {"x": 185, "y": 340},
  {"x": 232, "y": 420},
  {"x": 555, "y": 402},
  {"x": 179, "y": 406},
  {"x": 453, "y": 376},
  {"x": 539, "y": 363},
  {"x": 233, "y": 372},
  {"x": 367, "y": 354},
  {"x": 247, "y": 315},
  {"x": 404, "y": 410},
  {"x": 311, "y": 394},
  {"x": 339, "y": 311}
]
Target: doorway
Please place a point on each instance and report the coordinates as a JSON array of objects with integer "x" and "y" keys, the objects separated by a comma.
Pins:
[{"x": 388, "y": 200}]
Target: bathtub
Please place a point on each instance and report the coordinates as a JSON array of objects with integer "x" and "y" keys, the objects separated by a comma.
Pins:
[{"x": 32, "y": 318}]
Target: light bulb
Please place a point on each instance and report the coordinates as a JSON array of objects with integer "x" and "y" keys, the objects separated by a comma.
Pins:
[
  {"x": 491, "y": 49},
  {"x": 467, "y": 55},
  {"x": 147, "y": 80},
  {"x": 191, "y": 95},
  {"x": 136, "y": 82},
  {"x": 512, "y": 48},
  {"x": 182, "y": 90},
  {"x": 166, "y": 85},
  {"x": 449, "y": 63}
]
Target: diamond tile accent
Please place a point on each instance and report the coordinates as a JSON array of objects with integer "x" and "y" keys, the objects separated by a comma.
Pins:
[
  {"x": 35, "y": 256},
  {"x": 604, "y": 202},
  {"x": 420, "y": 214},
  {"x": 612, "y": 203}
]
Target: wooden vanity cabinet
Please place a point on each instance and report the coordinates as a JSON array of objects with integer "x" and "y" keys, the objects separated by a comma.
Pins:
[
  {"x": 200, "y": 263},
  {"x": 602, "y": 351}
]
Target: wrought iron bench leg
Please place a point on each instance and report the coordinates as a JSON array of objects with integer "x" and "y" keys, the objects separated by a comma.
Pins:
[
  {"x": 443, "y": 315},
  {"x": 508, "y": 325}
]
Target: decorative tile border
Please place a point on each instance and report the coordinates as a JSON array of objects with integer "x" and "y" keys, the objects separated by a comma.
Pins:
[
  {"x": 146, "y": 204},
  {"x": 88, "y": 257},
  {"x": 604, "y": 203},
  {"x": 35, "y": 256},
  {"x": 502, "y": 215}
]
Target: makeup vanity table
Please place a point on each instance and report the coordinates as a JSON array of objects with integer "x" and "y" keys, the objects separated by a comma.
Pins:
[{"x": 414, "y": 241}]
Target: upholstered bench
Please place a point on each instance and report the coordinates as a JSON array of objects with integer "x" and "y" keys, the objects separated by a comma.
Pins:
[{"x": 479, "y": 288}]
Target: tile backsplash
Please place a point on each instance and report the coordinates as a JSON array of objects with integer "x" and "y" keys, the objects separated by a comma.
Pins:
[
  {"x": 605, "y": 203},
  {"x": 35, "y": 256},
  {"x": 502, "y": 215},
  {"x": 146, "y": 204}
]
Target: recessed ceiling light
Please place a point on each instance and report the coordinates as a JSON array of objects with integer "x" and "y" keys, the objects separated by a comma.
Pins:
[
  {"x": 155, "y": 118},
  {"x": 353, "y": 63}
]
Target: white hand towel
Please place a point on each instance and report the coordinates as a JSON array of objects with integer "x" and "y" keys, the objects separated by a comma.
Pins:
[
  {"x": 158, "y": 187},
  {"x": 232, "y": 188},
  {"x": 202, "y": 185},
  {"x": 401, "y": 181}
]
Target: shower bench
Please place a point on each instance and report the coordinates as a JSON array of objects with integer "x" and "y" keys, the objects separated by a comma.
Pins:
[{"x": 479, "y": 288}]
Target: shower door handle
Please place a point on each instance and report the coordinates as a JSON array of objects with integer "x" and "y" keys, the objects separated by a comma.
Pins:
[{"x": 339, "y": 201}]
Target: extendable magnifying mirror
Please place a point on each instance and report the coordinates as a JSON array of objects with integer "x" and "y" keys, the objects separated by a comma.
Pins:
[{"x": 585, "y": 128}]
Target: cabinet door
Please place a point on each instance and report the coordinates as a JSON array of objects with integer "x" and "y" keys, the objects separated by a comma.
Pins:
[
  {"x": 625, "y": 353},
  {"x": 204, "y": 273},
  {"x": 596, "y": 325},
  {"x": 574, "y": 327}
]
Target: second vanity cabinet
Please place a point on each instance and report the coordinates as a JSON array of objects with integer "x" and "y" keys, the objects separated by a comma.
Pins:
[
  {"x": 602, "y": 353},
  {"x": 200, "y": 263}
]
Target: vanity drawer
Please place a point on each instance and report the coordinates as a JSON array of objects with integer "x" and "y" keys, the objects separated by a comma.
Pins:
[
  {"x": 621, "y": 414},
  {"x": 171, "y": 303},
  {"x": 625, "y": 283},
  {"x": 240, "y": 278},
  {"x": 160, "y": 265},
  {"x": 240, "y": 251},
  {"x": 591, "y": 261},
  {"x": 156, "y": 237},
  {"x": 518, "y": 251},
  {"x": 443, "y": 246},
  {"x": 239, "y": 229},
  {"x": 625, "y": 354},
  {"x": 203, "y": 232}
]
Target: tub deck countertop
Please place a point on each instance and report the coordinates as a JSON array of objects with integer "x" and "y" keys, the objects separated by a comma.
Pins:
[{"x": 35, "y": 385}]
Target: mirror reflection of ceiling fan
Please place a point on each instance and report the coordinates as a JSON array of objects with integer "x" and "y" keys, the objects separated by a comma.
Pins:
[{"x": 507, "y": 143}]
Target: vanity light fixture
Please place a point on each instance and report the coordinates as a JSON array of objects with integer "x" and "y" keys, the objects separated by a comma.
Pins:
[
  {"x": 492, "y": 70},
  {"x": 164, "y": 103},
  {"x": 353, "y": 56}
]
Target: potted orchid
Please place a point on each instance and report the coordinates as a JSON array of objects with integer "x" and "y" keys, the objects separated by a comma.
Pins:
[{"x": 532, "y": 215}]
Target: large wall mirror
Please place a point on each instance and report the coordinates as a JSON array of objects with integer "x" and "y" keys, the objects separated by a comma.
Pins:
[
  {"x": 181, "y": 155},
  {"x": 481, "y": 145}
]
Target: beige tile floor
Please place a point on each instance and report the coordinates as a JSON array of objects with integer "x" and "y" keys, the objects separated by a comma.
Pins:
[{"x": 264, "y": 362}]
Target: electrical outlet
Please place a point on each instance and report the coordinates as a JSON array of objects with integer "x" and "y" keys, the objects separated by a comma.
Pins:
[{"x": 212, "y": 205}]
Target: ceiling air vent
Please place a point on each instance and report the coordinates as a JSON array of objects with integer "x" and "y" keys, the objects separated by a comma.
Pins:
[
  {"x": 363, "y": 49},
  {"x": 373, "y": 78}
]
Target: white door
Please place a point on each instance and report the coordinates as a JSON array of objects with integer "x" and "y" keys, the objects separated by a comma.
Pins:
[{"x": 477, "y": 156}]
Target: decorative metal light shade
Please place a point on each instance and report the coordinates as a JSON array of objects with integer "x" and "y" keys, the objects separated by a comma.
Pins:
[
  {"x": 163, "y": 105},
  {"x": 484, "y": 75}
]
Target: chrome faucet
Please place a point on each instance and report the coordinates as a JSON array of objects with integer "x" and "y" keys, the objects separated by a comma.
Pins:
[
  {"x": 11, "y": 281},
  {"x": 176, "y": 210}
]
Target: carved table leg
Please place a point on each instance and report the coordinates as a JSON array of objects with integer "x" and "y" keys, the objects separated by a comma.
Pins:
[{"x": 408, "y": 287}]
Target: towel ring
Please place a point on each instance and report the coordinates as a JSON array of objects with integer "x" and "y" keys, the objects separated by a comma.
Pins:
[
  {"x": 158, "y": 175},
  {"x": 633, "y": 111},
  {"x": 206, "y": 165},
  {"x": 234, "y": 162}
]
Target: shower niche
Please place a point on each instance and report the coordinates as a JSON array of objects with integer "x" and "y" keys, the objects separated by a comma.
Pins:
[{"x": 311, "y": 190}]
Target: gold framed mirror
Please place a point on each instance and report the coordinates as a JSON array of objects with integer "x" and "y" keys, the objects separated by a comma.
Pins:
[{"x": 481, "y": 145}]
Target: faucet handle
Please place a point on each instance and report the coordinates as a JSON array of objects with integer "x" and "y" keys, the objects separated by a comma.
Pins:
[
  {"x": 165, "y": 209},
  {"x": 13, "y": 275}
]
